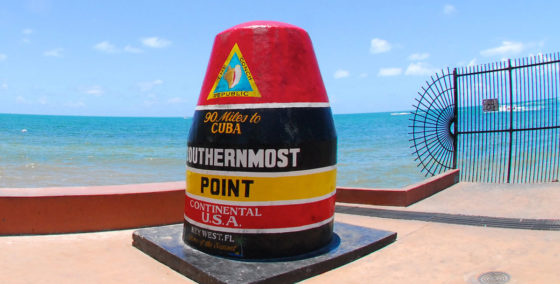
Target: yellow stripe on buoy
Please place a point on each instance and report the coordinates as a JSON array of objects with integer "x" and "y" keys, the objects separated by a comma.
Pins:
[{"x": 259, "y": 188}]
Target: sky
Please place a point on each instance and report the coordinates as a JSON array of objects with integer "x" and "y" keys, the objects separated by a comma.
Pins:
[{"x": 149, "y": 58}]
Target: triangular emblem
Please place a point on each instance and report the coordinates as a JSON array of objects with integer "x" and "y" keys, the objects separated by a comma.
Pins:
[{"x": 234, "y": 79}]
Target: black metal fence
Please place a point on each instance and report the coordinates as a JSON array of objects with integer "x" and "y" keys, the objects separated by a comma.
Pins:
[{"x": 496, "y": 122}]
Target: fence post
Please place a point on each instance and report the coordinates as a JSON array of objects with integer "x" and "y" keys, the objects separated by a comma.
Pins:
[
  {"x": 455, "y": 118},
  {"x": 510, "y": 119}
]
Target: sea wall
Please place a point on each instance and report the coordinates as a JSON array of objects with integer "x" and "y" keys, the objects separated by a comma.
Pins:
[
  {"x": 95, "y": 208},
  {"x": 398, "y": 196}
]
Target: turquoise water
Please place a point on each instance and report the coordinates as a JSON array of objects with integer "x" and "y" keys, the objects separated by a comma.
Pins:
[{"x": 41, "y": 151}]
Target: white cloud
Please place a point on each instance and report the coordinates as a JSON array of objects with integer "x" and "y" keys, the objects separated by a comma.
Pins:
[
  {"x": 57, "y": 52},
  {"x": 94, "y": 90},
  {"x": 148, "y": 86},
  {"x": 75, "y": 104},
  {"x": 449, "y": 9},
  {"x": 507, "y": 47},
  {"x": 418, "y": 56},
  {"x": 471, "y": 62},
  {"x": 149, "y": 103},
  {"x": 379, "y": 46},
  {"x": 386, "y": 72},
  {"x": 176, "y": 100},
  {"x": 155, "y": 42},
  {"x": 419, "y": 68},
  {"x": 42, "y": 100},
  {"x": 340, "y": 73},
  {"x": 363, "y": 75},
  {"x": 106, "y": 47},
  {"x": 3, "y": 56},
  {"x": 131, "y": 49},
  {"x": 26, "y": 32},
  {"x": 22, "y": 100},
  {"x": 4, "y": 86}
]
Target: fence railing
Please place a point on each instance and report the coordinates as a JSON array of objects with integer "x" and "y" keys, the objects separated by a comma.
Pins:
[{"x": 504, "y": 124}]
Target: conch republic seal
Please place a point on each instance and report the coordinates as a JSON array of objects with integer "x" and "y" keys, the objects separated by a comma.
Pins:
[{"x": 261, "y": 158}]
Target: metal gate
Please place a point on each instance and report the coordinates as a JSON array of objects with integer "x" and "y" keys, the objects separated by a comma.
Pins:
[{"x": 497, "y": 122}]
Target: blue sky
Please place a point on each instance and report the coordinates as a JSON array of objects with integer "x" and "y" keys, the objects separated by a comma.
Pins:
[{"x": 148, "y": 58}]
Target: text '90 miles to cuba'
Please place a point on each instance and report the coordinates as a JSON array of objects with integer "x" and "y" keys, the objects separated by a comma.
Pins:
[{"x": 229, "y": 122}]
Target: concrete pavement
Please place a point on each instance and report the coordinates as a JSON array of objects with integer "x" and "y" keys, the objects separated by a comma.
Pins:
[{"x": 425, "y": 252}]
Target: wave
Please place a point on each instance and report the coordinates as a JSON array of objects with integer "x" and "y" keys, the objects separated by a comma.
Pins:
[
  {"x": 506, "y": 108},
  {"x": 400, "y": 113}
]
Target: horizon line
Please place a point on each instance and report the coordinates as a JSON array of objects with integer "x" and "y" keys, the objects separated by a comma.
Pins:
[{"x": 174, "y": 116}]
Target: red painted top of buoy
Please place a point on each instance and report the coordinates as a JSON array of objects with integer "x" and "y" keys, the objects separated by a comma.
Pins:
[
  {"x": 263, "y": 24},
  {"x": 279, "y": 62}
]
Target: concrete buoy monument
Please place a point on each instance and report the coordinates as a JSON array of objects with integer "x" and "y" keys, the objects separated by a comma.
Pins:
[
  {"x": 261, "y": 169},
  {"x": 261, "y": 155}
]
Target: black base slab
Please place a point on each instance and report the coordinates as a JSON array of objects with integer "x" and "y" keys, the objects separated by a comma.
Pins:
[{"x": 349, "y": 243}]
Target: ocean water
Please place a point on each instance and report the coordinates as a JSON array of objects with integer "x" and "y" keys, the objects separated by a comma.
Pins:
[{"x": 44, "y": 151}]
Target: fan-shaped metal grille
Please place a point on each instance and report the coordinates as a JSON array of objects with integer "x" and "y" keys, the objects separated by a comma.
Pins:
[{"x": 432, "y": 125}]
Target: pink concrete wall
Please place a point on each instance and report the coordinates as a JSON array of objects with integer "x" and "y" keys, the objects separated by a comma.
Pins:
[
  {"x": 399, "y": 196},
  {"x": 97, "y": 208}
]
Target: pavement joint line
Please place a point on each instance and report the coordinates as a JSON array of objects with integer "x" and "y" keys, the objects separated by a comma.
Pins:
[{"x": 458, "y": 219}]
